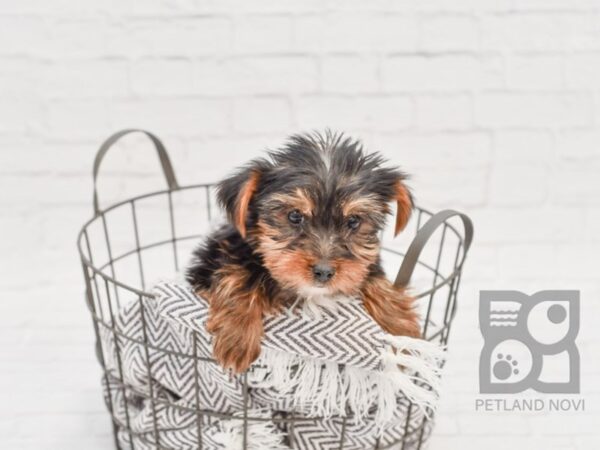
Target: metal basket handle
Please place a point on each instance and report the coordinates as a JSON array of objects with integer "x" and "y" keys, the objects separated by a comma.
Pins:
[
  {"x": 165, "y": 162},
  {"x": 422, "y": 237}
]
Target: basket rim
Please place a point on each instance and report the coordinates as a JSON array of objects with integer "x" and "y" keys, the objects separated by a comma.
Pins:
[{"x": 89, "y": 264}]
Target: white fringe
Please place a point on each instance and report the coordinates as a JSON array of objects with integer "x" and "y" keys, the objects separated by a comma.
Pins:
[
  {"x": 261, "y": 435},
  {"x": 409, "y": 366},
  {"x": 420, "y": 364}
]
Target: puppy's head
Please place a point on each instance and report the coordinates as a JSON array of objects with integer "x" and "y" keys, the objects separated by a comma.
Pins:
[{"x": 313, "y": 211}]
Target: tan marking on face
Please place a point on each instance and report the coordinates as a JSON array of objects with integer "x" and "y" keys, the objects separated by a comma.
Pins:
[
  {"x": 292, "y": 269},
  {"x": 358, "y": 205},
  {"x": 299, "y": 200},
  {"x": 265, "y": 238}
]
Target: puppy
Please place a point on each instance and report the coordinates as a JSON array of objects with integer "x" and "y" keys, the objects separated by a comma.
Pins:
[{"x": 304, "y": 224}]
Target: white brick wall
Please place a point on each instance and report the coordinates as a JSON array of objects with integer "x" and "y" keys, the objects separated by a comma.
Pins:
[{"x": 493, "y": 106}]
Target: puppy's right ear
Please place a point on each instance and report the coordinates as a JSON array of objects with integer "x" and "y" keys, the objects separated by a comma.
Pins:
[{"x": 235, "y": 194}]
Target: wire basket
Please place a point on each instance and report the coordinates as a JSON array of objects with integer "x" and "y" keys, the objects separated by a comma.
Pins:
[{"x": 127, "y": 246}]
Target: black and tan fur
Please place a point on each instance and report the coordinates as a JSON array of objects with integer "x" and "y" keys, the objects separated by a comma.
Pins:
[{"x": 304, "y": 220}]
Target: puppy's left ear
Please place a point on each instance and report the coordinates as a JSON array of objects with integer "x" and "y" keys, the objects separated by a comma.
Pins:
[
  {"x": 405, "y": 205},
  {"x": 235, "y": 194}
]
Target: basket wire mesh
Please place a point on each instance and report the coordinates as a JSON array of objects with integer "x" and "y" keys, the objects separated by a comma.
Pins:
[{"x": 127, "y": 246}]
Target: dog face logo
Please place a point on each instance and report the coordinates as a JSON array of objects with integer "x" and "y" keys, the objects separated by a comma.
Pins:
[
  {"x": 529, "y": 342},
  {"x": 313, "y": 211}
]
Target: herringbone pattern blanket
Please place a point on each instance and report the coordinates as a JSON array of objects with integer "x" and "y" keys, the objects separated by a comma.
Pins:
[{"x": 340, "y": 367}]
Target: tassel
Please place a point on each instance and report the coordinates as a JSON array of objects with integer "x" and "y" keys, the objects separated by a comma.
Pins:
[
  {"x": 263, "y": 435},
  {"x": 409, "y": 367}
]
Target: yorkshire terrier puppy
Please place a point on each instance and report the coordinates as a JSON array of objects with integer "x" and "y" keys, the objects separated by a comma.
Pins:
[{"x": 304, "y": 223}]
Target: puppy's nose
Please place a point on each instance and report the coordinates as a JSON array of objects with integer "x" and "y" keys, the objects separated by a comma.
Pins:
[{"x": 323, "y": 272}]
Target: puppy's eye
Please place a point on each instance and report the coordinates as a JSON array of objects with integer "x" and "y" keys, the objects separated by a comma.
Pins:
[
  {"x": 353, "y": 222},
  {"x": 295, "y": 217}
]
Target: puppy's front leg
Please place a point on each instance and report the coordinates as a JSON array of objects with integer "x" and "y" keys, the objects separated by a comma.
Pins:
[
  {"x": 391, "y": 307},
  {"x": 236, "y": 323},
  {"x": 235, "y": 316}
]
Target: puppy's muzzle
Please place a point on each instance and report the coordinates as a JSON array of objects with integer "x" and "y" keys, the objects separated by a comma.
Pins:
[{"x": 323, "y": 272}]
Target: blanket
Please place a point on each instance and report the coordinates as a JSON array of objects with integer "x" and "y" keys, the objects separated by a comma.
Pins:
[{"x": 335, "y": 371}]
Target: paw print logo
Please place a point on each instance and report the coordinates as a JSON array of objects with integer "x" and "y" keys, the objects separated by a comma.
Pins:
[
  {"x": 505, "y": 367},
  {"x": 523, "y": 336}
]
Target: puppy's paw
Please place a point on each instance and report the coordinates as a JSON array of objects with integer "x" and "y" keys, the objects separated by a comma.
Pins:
[
  {"x": 234, "y": 351},
  {"x": 391, "y": 308}
]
